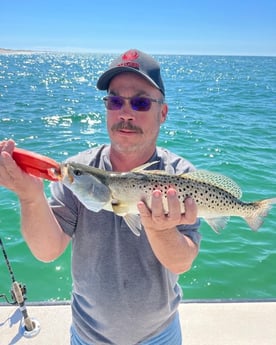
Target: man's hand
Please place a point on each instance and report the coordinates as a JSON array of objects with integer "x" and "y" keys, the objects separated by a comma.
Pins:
[
  {"x": 156, "y": 219},
  {"x": 13, "y": 178},
  {"x": 174, "y": 250}
]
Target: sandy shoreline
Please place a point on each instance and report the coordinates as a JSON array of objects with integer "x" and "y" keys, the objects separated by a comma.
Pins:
[{"x": 15, "y": 51}]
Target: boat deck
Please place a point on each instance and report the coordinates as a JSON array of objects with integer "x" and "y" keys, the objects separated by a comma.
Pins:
[{"x": 203, "y": 323}]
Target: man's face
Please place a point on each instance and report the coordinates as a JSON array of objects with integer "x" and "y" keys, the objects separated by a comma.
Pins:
[{"x": 131, "y": 130}]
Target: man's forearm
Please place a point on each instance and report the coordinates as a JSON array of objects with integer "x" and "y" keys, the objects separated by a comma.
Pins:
[
  {"x": 174, "y": 250},
  {"x": 41, "y": 230}
]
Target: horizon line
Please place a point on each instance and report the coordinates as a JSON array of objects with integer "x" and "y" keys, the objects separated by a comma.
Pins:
[{"x": 88, "y": 51}]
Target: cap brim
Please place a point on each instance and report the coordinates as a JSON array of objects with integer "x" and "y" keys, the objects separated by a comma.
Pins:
[{"x": 105, "y": 78}]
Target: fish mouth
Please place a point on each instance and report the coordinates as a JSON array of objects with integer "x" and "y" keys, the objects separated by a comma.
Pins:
[
  {"x": 62, "y": 173},
  {"x": 67, "y": 173}
]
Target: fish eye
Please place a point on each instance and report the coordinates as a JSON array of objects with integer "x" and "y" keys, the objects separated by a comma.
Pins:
[{"x": 77, "y": 172}]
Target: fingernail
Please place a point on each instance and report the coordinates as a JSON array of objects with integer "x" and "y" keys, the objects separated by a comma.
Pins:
[
  {"x": 157, "y": 194},
  {"x": 190, "y": 201},
  {"x": 172, "y": 192}
]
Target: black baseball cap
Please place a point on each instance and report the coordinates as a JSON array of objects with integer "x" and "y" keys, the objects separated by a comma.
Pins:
[{"x": 135, "y": 61}]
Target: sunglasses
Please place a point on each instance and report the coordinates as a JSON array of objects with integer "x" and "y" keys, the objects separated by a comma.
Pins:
[{"x": 137, "y": 103}]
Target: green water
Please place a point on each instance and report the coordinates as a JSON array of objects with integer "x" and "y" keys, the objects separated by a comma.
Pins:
[{"x": 222, "y": 117}]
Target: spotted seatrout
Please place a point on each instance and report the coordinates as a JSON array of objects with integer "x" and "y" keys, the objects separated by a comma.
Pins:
[{"x": 217, "y": 196}]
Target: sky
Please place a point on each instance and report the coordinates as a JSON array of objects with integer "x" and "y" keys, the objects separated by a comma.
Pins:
[{"x": 201, "y": 27}]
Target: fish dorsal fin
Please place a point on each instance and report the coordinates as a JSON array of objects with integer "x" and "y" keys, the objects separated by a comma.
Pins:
[
  {"x": 143, "y": 166},
  {"x": 217, "y": 180},
  {"x": 156, "y": 172}
]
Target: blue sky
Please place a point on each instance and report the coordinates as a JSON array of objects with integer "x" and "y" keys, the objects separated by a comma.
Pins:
[{"x": 225, "y": 27}]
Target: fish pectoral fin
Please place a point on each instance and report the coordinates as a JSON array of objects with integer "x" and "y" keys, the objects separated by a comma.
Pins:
[
  {"x": 217, "y": 224},
  {"x": 134, "y": 223},
  {"x": 132, "y": 220}
]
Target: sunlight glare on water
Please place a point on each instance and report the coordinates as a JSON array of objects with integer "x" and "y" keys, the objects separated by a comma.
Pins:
[{"x": 222, "y": 117}]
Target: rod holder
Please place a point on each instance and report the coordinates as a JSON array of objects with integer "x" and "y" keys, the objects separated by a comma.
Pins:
[
  {"x": 33, "y": 332},
  {"x": 30, "y": 327}
]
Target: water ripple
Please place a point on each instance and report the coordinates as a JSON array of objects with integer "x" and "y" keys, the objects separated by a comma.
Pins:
[{"x": 222, "y": 117}]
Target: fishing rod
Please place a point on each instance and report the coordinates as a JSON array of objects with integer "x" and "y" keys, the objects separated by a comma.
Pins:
[{"x": 18, "y": 293}]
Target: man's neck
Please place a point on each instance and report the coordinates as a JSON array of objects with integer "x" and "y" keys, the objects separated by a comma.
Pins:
[{"x": 127, "y": 161}]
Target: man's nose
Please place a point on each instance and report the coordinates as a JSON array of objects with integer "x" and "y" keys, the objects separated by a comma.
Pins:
[{"x": 126, "y": 112}]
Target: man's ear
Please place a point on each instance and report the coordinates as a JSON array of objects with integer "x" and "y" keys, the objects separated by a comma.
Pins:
[{"x": 164, "y": 112}]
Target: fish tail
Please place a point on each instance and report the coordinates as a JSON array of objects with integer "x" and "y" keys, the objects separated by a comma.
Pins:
[{"x": 256, "y": 219}]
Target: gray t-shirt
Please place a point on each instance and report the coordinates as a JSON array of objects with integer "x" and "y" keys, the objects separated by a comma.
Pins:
[{"x": 122, "y": 295}]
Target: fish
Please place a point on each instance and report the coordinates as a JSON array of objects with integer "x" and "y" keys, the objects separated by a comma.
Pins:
[{"x": 217, "y": 196}]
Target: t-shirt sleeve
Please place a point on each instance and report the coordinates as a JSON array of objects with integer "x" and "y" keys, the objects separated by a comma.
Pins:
[
  {"x": 64, "y": 206},
  {"x": 191, "y": 231}
]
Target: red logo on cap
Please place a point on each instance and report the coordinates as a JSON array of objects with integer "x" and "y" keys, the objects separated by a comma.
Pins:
[
  {"x": 127, "y": 59},
  {"x": 130, "y": 55}
]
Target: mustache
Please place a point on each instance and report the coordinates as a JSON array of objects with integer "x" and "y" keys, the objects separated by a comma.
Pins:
[{"x": 126, "y": 125}]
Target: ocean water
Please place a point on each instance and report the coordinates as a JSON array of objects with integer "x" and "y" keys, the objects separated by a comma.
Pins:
[{"x": 222, "y": 117}]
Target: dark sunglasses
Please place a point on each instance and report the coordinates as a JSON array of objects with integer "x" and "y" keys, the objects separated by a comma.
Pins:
[{"x": 137, "y": 103}]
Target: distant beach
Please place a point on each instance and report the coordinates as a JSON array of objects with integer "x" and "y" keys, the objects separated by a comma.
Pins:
[{"x": 15, "y": 51}]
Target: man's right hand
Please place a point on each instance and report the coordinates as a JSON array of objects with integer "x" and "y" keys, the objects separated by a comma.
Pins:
[{"x": 12, "y": 177}]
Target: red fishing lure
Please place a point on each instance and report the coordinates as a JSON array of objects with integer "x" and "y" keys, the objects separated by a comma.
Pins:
[{"x": 36, "y": 164}]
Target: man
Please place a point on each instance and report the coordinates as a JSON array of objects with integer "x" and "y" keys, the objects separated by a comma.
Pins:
[{"x": 125, "y": 289}]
